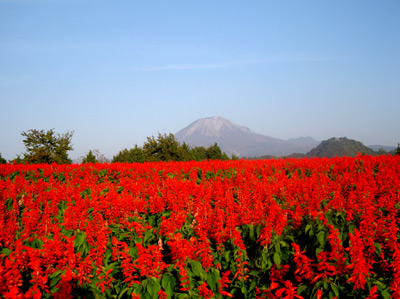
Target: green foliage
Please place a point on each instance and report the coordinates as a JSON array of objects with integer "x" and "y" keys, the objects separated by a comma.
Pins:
[
  {"x": 397, "y": 152},
  {"x": 166, "y": 148},
  {"x": 47, "y": 147},
  {"x": 235, "y": 157},
  {"x": 214, "y": 152},
  {"x": 198, "y": 153},
  {"x": 2, "y": 160},
  {"x": 338, "y": 147},
  {"x": 17, "y": 160},
  {"x": 163, "y": 148},
  {"x": 185, "y": 153},
  {"x": 381, "y": 151},
  {"x": 90, "y": 158},
  {"x": 134, "y": 155}
]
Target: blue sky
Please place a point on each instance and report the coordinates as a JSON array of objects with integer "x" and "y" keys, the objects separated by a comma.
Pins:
[{"x": 115, "y": 72}]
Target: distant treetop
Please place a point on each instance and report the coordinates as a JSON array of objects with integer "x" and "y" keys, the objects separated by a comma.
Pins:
[
  {"x": 47, "y": 147},
  {"x": 166, "y": 148}
]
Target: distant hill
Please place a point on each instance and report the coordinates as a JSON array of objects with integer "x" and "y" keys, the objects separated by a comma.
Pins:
[
  {"x": 377, "y": 147},
  {"x": 239, "y": 140},
  {"x": 338, "y": 147}
]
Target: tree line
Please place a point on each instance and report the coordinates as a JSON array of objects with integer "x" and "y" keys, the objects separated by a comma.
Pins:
[
  {"x": 165, "y": 147},
  {"x": 46, "y": 147}
]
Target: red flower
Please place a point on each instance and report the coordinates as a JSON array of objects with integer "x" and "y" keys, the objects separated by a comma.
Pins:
[
  {"x": 372, "y": 293},
  {"x": 204, "y": 291}
]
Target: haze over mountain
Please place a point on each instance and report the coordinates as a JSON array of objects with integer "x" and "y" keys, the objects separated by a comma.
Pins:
[
  {"x": 377, "y": 147},
  {"x": 239, "y": 140}
]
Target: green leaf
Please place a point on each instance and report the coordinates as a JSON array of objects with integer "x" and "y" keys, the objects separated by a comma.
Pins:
[
  {"x": 258, "y": 230},
  {"x": 378, "y": 248},
  {"x": 124, "y": 291},
  {"x": 153, "y": 288},
  {"x": 6, "y": 251},
  {"x": 318, "y": 285},
  {"x": 380, "y": 285},
  {"x": 79, "y": 239},
  {"x": 301, "y": 288},
  {"x": 55, "y": 280},
  {"x": 227, "y": 254},
  {"x": 212, "y": 280},
  {"x": 328, "y": 217},
  {"x": 133, "y": 251},
  {"x": 269, "y": 264},
  {"x": 196, "y": 267},
  {"x": 253, "y": 284},
  {"x": 335, "y": 290},
  {"x": 352, "y": 227},
  {"x": 321, "y": 238},
  {"x": 265, "y": 255},
  {"x": 37, "y": 243},
  {"x": 148, "y": 236},
  {"x": 168, "y": 283},
  {"x": 252, "y": 232},
  {"x": 277, "y": 260},
  {"x": 385, "y": 294},
  {"x": 107, "y": 256},
  {"x": 284, "y": 244},
  {"x": 138, "y": 288},
  {"x": 264, "y": 264}
]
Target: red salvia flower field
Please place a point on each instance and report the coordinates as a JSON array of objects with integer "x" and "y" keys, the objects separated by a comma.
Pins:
[{"x": 285, "y": 228}]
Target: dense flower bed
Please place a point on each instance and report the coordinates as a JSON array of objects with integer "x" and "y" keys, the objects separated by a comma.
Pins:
[{"x": 287, "y": 228}]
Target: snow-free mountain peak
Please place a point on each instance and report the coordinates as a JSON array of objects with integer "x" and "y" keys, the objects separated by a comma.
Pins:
[
  {"x": 211, "y": 127},
  {"x": 239, "y": 140}
]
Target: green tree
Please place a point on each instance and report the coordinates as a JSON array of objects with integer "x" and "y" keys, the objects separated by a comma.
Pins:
[
  {"x": 380, "y": 152},
  {"x": 234, "y": 157},
  {"x": 134, "y": 155},
  {"x": 186, "y": 153},
  {"x": 166, "y": 148},
  {"x": 163, "y": 148},
  {"x": 47, "y": 147},
  {"x": 89, "y": 158},
  {"x": 2, "y": 160},
  {"x": 397, "y": 152},
  {"x": 198, "y": 153},
  {"x": 214, "y": 152},
  {"x": 17, "y": 160}
]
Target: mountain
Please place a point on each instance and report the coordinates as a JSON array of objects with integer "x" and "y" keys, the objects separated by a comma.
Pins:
[
  {"x": 239, "y": 140},
  {"x": 338, "y": 147},
  {"x": 384, "y": 147}
]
